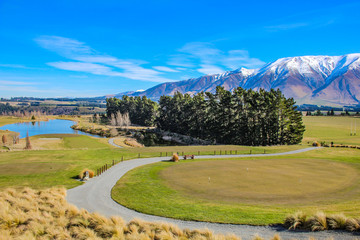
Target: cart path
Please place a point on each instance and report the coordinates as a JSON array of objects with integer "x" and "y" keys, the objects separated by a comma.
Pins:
[
  {"x": 111, "y": 142},
  {"x": 95, "y": 196}
]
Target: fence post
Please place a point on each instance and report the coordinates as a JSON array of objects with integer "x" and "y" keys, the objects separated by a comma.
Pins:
[
  {"x": 250, "y": 151},
  {"x": 214, "y": 152},
  {"x": 182, "y": 153},
  {"x": 166, "y": 154},
  {"x": 122, "y": 158},
  {"x": 236, "y": 152},
  {"x": 113, "y": 162},
  {"x": 264, "y": 151},
  {"x": 139, "y": 155},
  {"x": 160, "y": 154},
  {"x": 225, "y": 152},
  {"x": 198, "y": 152},
  {"x": 220, "y": 152}
]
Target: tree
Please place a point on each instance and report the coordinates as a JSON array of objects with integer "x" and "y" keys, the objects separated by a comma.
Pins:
[
  {"x": 243, "y": 117},
  {"x": 28, "y": 143},
  {"x": 112, "y": 120},
  {"x": 4, "y": 139}
]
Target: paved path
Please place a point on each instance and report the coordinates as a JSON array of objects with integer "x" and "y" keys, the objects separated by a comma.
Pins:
[
  {"x": 111, "y": 141},
  {"x": 95, "y": 196}
]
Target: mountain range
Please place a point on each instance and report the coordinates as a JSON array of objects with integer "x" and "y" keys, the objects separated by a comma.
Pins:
[{"x": 319, "y": 80}]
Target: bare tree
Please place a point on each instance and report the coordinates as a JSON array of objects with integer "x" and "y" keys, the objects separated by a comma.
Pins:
[
  {"x": 119, "y": 119},
  {"x": 28, "y": 144},
  {"x": 112, "y": 120},
  {"x": 97, "y": 118},
  {"x": 126, "y": 120}
]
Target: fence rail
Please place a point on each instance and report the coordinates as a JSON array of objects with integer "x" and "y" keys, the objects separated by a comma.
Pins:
[{"x": 105, "y": 167}]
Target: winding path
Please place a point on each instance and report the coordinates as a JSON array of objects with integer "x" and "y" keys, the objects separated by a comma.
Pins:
[
  {"x": 111, "y": 142},
  {"x": 95, "y": 196}
]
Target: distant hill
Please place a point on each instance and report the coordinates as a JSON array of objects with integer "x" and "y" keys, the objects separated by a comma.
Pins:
[{"x": 322, "y": 80}]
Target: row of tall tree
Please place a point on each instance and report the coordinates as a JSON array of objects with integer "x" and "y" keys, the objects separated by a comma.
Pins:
[
  {"x": 142, "y": 111},
  {"x": 242, "y": 117}
]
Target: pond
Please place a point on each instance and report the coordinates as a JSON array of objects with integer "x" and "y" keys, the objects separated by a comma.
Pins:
[{"x": 55, "y": 126}]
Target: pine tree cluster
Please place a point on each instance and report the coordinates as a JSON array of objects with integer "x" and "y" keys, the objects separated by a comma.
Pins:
[{"x": 242, "y": 117}]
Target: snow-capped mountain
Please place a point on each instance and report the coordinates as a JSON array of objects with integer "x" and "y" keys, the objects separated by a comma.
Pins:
[{"x": 325, "y": 80}]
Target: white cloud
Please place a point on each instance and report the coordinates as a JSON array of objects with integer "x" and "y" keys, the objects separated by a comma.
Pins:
[
  {"x": 288, "y": 26},
  {"x": 16, "y": 83},
  {"x": 165, "y": 69},
  {"x": 202, "y": 57},
  {"x": 181, "y": 60},
  {"x": 66, "y": 47},
  {"x": 210, "y": 69},
  {"x": 14, "y": 66},
  {"x": 83, "y": 67},
  {"x": 90, "y": 61},
  {"x": 207, "y": 59},
  {"x": 236, "y": 58}
]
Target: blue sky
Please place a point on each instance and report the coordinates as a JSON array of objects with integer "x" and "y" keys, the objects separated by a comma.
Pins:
[{"x": 93, "y": 48}]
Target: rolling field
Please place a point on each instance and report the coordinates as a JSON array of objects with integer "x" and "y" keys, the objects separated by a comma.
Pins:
[
  {"x": 335, "y": 129},
  {"x": 56, "y": 159},
  {"x": 271, "y": 188}
]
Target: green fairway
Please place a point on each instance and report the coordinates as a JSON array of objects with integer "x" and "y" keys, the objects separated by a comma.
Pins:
[
  {"x": 335, "y": 129},
  {"x": 181, "y": 190},
  {"x": 56, "y": 159}
]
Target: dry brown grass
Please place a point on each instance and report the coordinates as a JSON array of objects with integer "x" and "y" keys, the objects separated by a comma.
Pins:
[
  {"x": 321, "y": 222},
  {"x": 132, "y": 143},
  {"x": 82, "y": 173},
  {"x": 175, "y": 157},
  {"x": 45, "y": 214}
]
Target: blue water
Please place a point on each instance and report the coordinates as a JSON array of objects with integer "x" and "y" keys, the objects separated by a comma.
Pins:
[{"x": 44, "y": 127}]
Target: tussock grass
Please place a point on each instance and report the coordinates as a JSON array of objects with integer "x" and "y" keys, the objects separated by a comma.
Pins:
[
  {"x": 295, "y": 221},
  {"x": 82, "y": 173},
  {"x": 321, "y": 222},
  {"x": 45, "y": 214},
  {"x": 175, "y": 157},
  {"x": 131, "y": 142}
]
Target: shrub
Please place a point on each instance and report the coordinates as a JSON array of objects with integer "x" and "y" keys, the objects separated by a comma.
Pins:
[
  {"x": 82, "y": 173},
  {"x": 113, "y": 132},
  {"x": 316, "y": 144},
  {"x": 175, "y": 157},
  {"x": 352, "y": 224},
  {"x": 4, "y": 140},
  {"x": 295, "y": 221},
  {"x": 318, "y": 222},
  {"x": 132, "y": 143},
  {"x": 337, "y": 221}
]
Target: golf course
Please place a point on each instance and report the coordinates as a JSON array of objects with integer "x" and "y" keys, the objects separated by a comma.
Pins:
[
  {"x": 247, "y": 190},
  {"x": 261, "y": 190}
]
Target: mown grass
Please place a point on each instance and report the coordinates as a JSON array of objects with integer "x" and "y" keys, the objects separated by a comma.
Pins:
[
  {"x": 335, "y": 129},
  {"x": 57, "y": 161},
  {"x": 144, "y": 190}
]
